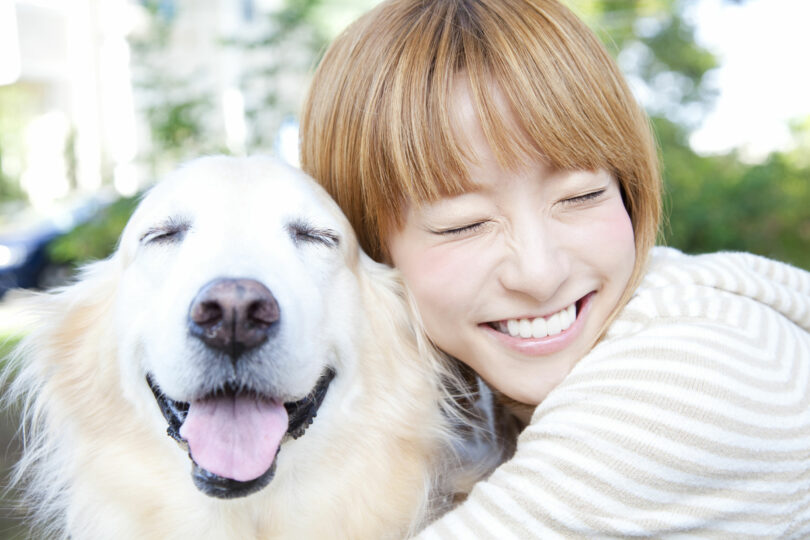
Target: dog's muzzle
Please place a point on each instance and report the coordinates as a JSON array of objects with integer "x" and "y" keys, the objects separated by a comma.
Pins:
[
  {"x": 234, "y": 433},
  {"x": 300, "y": 413}
]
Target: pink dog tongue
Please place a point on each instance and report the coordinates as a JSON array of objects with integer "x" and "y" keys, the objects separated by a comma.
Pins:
[{"x": 235, "y": 437}]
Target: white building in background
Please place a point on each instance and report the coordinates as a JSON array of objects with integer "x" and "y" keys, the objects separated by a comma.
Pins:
[
  {"x": 66, "y": 62},
  {"x": 66, "y": 85},
  {"x": 208, "y": 51}
]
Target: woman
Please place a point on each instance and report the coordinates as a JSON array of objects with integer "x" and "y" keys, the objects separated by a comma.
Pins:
[{"x": 491, "y": 150}]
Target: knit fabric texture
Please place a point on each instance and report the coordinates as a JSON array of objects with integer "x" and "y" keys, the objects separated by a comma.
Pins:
[{"x": 690, "y": 419}]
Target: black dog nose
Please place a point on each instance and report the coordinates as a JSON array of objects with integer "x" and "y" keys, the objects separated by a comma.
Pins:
[{"x": 233, "y": 315}]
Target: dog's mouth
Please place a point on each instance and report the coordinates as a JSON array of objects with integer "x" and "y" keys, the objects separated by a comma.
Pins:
[{"x": 233, "y": 436}]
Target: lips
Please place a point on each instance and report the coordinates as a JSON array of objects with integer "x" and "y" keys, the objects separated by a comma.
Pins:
[
  {"x": 541, "y": 327},
  {"x": 233, "y": 436},
  {"x": 549, "y": 343}
]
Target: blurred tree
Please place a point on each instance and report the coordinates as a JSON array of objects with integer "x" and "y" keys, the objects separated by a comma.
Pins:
[
  {"x": 281, "y": 53},
  {"x": 173, "y": 104},
  {"x": 720, "y": 203},
  {"x": 800, "y": 154},
  {"x": 14, "y": 102},
  {"x": 713, "y": 202},
  {"x": 276, "y": 52},
  {"x": 654, "y": 43},
  {"x": 9, "y": 187},
  {"x": 94, "y": 239}
]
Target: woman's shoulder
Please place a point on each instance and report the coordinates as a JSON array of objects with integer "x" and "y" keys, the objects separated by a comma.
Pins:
[
  {"x": 709, "y": 369},
  {"x": 697, "y": 404},
  {"x": 727, "y": 288},
  {"x": 731, "y": 270},
  {"x": 704, "y": 333}
]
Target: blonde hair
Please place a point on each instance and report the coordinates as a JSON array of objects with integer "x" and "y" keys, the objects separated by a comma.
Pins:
[{"x": 377, "y": 129}]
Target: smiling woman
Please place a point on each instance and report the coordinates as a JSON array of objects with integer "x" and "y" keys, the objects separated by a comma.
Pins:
[
  {"x": 533, "y": 227},
  {"x": 500, "y": 162}
]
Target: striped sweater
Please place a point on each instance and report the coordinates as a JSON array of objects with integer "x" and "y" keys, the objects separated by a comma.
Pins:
[{"x": 691, "y": 418}]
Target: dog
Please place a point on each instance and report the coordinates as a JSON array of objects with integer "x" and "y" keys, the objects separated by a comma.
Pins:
[{"x": 240, "y": 369}]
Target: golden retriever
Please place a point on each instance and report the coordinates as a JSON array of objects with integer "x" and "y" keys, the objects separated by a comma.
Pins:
[{"x": 238, "y": 369}]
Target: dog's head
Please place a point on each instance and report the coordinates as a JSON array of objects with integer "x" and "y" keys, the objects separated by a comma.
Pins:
[{"x": 234, "y": 309}]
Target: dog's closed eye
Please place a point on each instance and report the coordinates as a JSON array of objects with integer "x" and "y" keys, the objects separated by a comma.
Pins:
[
  {"x": 171, "y": 230},
  {"x": 302, "y": 231}
]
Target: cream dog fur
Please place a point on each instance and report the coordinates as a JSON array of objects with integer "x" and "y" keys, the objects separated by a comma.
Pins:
[{"x": 161, "y": 335}]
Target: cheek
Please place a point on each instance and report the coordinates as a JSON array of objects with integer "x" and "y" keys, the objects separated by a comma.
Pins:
[
  {"x": 443, "y": 280},
  {"x": 437, "y": 280},
  {"x": 613, "y": 239},
  {"x": 444, "y": 289}
]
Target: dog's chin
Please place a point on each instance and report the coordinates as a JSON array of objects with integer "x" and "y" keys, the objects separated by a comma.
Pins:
[
  {"x": 220, "y": 487},
  {"x": 300, "y": 413}
]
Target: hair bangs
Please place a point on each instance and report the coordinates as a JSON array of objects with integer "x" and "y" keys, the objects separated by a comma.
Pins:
[
  {"x": 522, "y": 91},
  {"x": 421, "y": 142},
  {"x": 424, "y": 141},
  {"x": 380, "y": 132}
]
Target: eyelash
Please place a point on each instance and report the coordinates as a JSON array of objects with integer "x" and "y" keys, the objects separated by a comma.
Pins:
[
  {"x": 169, "y": 232},
  {"x": 585, "y": 198},
  {"x": 304, "y": 232},
  {"x": 475, "y": 226},
  {"x": 460, "y": 230}
]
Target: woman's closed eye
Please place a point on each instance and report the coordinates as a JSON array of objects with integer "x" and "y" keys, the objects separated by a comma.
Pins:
[
  {"x": 586, "y": 197},
  {"x": 455, "y": 231}
]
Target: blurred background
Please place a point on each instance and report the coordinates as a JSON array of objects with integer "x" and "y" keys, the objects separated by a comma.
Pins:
[{"x": 99, "y": 98}]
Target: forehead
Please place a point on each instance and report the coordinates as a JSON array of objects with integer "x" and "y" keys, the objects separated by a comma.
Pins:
[
  {"x": 486, "y": 128},
  {"x": 238, "y": 190}
]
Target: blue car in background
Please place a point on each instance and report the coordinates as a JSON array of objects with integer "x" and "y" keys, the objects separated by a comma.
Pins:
[{"x": 24, "y": 261}]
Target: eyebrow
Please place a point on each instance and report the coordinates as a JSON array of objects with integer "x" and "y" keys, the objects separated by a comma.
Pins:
[
  {"x": 430, "y": 208},
  {"x": 583, "y": 178}
]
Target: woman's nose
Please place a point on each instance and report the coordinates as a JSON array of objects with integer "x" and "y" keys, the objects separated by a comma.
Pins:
[{"x": 537, "y": 263}]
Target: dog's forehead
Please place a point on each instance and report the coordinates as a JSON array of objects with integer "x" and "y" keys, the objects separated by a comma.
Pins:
[{"x": 238, "y": 189}]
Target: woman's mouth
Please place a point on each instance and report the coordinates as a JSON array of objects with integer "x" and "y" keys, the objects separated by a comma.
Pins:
[
  {"x": 538, "y": 327},
  {"x": 542, "y": 335}
]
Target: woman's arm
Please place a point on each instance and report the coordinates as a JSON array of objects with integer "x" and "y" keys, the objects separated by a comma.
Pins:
[{"x": 693, "y": 423}]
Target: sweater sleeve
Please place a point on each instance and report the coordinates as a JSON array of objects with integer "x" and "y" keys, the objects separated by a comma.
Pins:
[{"x": 692, "y": 423}]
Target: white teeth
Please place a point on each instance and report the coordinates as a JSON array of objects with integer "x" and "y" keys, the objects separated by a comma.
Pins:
[
  {"x": 565, "y": 322},
  {"x": 525, "y": 328},
  {"x": 540, "y": 327},
  {"x": 553, "y": 324}
]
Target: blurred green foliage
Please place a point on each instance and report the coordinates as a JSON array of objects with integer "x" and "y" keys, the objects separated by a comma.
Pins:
[
  {"x": 715, "y": 202},
  {"x": 15, "y": 100},
  {"x": 174, "y": 105},
  {"x": 95, "y": 239},
  {"x": 7, "y": 344},
  {"x": 712, "y": 202},
  {"x": 283, "y": 48},
  {"x": 655, "y": 45},
  {"x": 720, "y": 203},
  {"x": 9, "y": 187}
]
